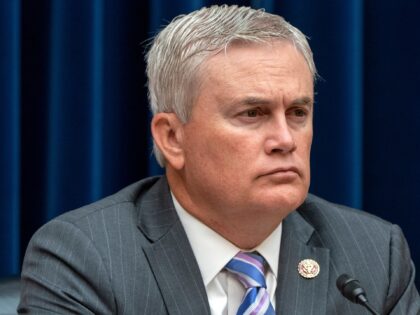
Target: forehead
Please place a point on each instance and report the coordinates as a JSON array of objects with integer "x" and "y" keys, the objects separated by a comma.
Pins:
[
  {"x": 282, "y": 51},
  {"x": 253, "y": 66}
]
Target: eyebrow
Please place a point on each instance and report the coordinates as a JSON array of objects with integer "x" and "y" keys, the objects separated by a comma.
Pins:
[
  {"x": 253, "y": 100},
  {"x": 305, "y": 100}
]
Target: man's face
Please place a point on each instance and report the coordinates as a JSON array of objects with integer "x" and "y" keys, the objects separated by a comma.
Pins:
[{"x": 247, "y": 144}]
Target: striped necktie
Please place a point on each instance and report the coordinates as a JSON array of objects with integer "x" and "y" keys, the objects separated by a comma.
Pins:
[{"x": 249, "y": 270}]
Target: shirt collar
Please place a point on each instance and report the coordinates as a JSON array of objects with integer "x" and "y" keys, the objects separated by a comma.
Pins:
[{"x": 213, "y": 252}]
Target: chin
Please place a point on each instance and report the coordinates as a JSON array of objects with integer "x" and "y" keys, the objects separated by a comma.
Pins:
[{"x": 283, "y": 201}]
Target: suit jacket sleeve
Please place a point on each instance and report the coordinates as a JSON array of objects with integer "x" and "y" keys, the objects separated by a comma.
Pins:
[
  {"x": 403, "y": 297},
  {"x": 56, "y": 279}
]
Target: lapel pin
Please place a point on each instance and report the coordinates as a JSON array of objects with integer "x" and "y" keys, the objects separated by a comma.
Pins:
[{"x": 308, "y": 268}]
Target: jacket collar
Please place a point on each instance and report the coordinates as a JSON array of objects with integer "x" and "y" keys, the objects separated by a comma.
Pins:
[
  {"x": 296, "y": 294},
  {"x": 169, "y": 253}
]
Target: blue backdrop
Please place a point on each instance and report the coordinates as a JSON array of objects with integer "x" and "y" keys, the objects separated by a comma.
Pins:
[{"x": 74, "y": 113}]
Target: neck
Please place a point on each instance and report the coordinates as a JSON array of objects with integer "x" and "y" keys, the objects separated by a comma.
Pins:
[{"x": 244, "y": 231}]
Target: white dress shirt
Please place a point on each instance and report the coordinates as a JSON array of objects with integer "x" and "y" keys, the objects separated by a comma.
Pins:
[{"x": 213, "y": 252}]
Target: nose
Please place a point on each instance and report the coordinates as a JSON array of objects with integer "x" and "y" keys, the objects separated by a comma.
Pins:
[{"x": 280, "y": 138}]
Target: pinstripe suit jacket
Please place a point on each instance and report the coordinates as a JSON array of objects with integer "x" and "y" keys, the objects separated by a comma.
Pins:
[{"x": 129, "y": 254}]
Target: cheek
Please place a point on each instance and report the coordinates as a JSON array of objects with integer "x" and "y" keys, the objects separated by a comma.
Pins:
[
  {"x": 221, "y": 150},
  {"x": 305, "y": 156},
  {"x": 306, "y": 151},
  {"x": 239, "y": 150},
  {"x": 303, "y": 151},
  {"x": 304, "y": 143}
]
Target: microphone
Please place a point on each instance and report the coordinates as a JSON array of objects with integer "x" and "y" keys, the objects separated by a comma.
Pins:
[{"x": 353, "y": 291}]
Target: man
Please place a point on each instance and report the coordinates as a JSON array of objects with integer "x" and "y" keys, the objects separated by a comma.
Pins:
[{"x": 231, "y": 227}]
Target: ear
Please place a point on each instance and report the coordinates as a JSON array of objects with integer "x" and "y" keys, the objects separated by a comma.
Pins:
[{"x": 168, "y": 134}]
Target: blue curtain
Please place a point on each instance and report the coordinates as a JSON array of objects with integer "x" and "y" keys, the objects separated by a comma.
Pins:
[
  {"x": 74, "y": 113},
  {"x": 9, "y": 137}
]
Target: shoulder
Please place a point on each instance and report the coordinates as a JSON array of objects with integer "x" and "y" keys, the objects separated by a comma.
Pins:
[
  {"x": 85, "y": 258},
  {"x": 350, "y": 233},
  {"x": 324, "y": 214},
  {"x": 95, "y": 224},
  {"x": 123, "y": 200},
  {"x": 369, "y": 248},
  {"x": 103, "y": 225}
]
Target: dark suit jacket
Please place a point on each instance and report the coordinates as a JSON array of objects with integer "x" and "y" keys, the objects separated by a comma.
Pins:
[{"x": 129, "y": 254}]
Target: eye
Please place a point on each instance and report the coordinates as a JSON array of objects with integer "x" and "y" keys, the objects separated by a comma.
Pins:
[
  {"x": 253, "y": 112},
  {"x": 299, "y": 112}
]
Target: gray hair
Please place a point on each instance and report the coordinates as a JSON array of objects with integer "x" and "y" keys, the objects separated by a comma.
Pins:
[{"x": 178, "y": 51}]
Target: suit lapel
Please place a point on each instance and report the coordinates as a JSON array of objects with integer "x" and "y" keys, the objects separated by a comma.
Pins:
[
  {"x": 170, "y": 255},
  {"x": 296, "y": 294}
]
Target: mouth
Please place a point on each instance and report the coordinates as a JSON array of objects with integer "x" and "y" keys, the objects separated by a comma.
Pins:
[{"x": 282, "y": 172}]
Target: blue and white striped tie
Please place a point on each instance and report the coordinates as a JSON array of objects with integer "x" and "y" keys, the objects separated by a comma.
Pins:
[{"x": 249, "y": 270}]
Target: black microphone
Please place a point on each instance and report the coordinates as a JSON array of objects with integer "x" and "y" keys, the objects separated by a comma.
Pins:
[{"x": 353, "y": 291}]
